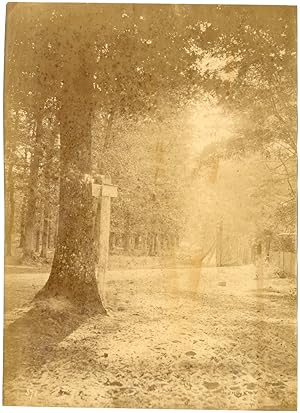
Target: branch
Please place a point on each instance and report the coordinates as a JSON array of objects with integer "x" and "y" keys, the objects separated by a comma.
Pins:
[{"x": 288, "y": 175}]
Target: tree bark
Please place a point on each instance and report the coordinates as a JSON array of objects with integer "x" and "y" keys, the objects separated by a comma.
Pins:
[{"x": 72, "y": 274}]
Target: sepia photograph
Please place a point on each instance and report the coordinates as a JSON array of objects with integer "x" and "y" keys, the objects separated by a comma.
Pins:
[{"x": 150, "y": 196}]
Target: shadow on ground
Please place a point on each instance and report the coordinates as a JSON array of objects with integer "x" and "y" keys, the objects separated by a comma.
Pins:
[{"x": 31, "y": 340}]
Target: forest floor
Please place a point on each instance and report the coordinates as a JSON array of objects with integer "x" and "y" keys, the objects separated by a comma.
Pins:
[{"x": 176, "y": 338}]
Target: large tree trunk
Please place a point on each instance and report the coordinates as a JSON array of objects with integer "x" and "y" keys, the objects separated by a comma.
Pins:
[
  {"x": 28, "y": 247},
  {"x": 72, "y": 275}
]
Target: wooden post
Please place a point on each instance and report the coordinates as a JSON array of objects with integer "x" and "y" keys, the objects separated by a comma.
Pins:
[
  {"x": 104, "y": 192},
  {"x": 104, "y": 228}
]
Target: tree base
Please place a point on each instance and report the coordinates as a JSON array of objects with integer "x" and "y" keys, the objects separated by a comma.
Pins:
[{"x": 88, "y": 302}]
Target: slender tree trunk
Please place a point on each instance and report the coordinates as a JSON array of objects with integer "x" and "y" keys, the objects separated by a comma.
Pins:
[
  {"x": 55, "y": 231},
  {"x": 32, "y": 193},
  {"x": 253, "y": 253},
  {"x": 49, "y": 233},
  {"x": 22, "y": 224},
  {"x": 10, "y": 195},
  {"x": 127, "y": 234},
  {"x": 46, "y": 220},
  {"x": 23, "y": 211},
  {"x": 126, "y": 241},
  {"x": 10, "y": 211},
  {"x": 137, "y": 241},
  {"x": 144, "y": 243},
  {"x": 149, "y": 243},
  {"x": 44, "y": 250},
  {"x": 73, "y": 269},
  {"x": 153, "y": 245},
  {"x": 37, "y": 241},
  {"x": 55, "y": 238},
  {"x": 268, "y": 247},
  {"x": 112, "y": 240},
  {"x": 168, "y": 248}
]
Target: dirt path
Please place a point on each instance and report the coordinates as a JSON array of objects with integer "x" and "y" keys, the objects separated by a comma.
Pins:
[{"x": 174, "y": 339}]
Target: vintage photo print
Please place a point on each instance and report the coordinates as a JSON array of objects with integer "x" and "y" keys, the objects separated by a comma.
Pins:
[{"x": 150, "y": 161}]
